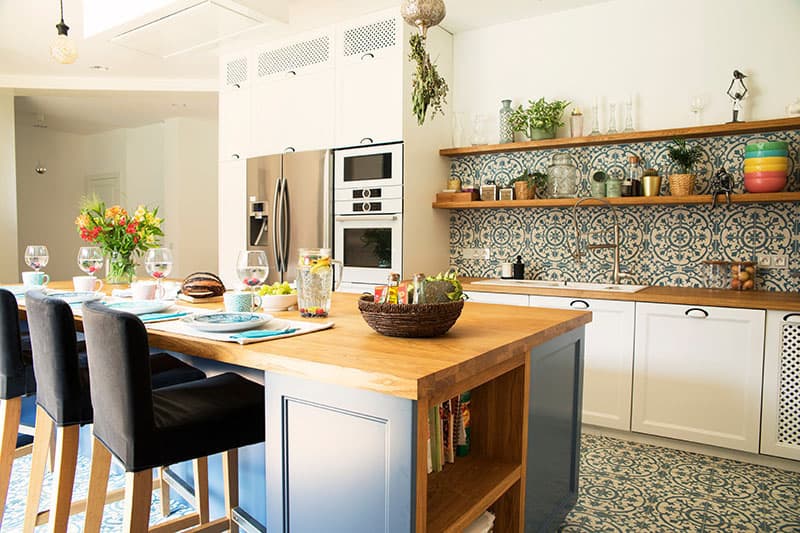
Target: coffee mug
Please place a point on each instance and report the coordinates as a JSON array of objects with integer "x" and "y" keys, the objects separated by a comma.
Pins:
[
  {"x": 34, "y": 278},
  {"x": 87, "y": 283},
  {"x": 241, "y": 302},
  {"x": 143, "y": 290}
]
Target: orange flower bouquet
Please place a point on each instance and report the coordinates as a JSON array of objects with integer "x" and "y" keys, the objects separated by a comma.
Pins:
[{"x": 120, "y": 235}]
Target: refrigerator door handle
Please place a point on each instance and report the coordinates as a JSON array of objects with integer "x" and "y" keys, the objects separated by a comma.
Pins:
[
  {"x": 286, "y": 238},
  {"x": 276, "y": 217}
]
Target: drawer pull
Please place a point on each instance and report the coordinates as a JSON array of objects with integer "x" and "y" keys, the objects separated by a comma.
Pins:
[
  {"x": 579, "y": 304},
  {"x": 696, "y": 312},
  {"x": 289, "y": 149},
  {"x": 792, "y": 317}
]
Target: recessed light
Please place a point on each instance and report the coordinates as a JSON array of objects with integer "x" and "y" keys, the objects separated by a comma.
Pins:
[{"x": 101, "y": 68}]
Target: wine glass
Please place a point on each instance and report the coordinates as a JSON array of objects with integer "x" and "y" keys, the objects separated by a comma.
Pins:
[
  {"x": 696, "y": 104},
  {"x": 158, "y": 263},
  {"x": 90, "y": 259},
  {"x": 36, "y": 256},
  {"x": 252, "y": 269}
]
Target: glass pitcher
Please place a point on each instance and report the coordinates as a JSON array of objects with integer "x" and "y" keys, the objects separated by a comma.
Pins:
[
  {"x": 315, "y": 281},
  {"x": 562, "y": 176}
]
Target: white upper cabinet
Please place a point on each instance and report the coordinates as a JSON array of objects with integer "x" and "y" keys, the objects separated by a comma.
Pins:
[
  {"x": 369, "y": 81},
  {"x": 234, "y": 108},
  {"x": 697, "y": 374},
  {"x": 293, "y": 95}
]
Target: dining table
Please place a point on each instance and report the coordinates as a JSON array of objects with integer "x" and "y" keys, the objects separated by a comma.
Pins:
[{"x": 348, "y": 417}]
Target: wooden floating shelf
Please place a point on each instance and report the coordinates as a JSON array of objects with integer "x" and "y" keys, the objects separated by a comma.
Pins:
[
  {"x": 463, "y": 490},
  {"x": 756, "y": 126},
  {"x": 752, "y": 198}
]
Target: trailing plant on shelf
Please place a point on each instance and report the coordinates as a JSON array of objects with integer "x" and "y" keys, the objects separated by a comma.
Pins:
[
  {"x": 428, "y": 88},
  {"x": 526, "y": 184},
  {"x": 540, "y": 119},
  {"x": 682, "y": 175}
]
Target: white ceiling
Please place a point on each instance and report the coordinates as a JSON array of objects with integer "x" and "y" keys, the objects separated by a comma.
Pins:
[{"x": 28, "y": 26}]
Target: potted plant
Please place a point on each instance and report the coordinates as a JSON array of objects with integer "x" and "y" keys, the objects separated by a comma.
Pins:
[
  {"x": 540, "y": 119},
  {"x": 525, "y": 184},
  {"x": 682, "y": 176}
]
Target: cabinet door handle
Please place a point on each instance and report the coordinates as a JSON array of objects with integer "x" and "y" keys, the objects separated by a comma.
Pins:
[
  {"x": 237, "y": 86},
  {"x": 235, "y": 156},
  {"x": 579, "y": 304},
  {"x": 368, "y": 55},
  {"x": 792, "y": 317},
  {"x": 291, "y": 73},
  {"x": 289, "y": 149},
  {"x": 367, "y": 140},
  {"x": 696, "y": 312}
]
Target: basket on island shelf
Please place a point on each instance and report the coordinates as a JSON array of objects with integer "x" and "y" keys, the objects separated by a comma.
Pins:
[{"x": 410, "y": 320}]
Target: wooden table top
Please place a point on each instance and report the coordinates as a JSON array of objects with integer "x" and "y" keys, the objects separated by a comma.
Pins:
[
  {"x": 353, "y": 355},
  {"x": 783, "y": 301}
]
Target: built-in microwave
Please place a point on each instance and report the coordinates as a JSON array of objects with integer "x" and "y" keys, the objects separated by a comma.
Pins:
[{"x": 368, "y": 167}]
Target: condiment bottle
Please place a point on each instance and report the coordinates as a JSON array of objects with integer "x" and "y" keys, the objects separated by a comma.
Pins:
[
  {"x": 634, "y": 176},
  {"x": 519, "y": 268},
  {"x": 419, "y": 288},
  {"x": 389, "y": 296}
]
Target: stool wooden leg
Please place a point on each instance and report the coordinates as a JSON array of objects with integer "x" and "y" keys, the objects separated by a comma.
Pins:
[
  {"x": 164, "y": 492},
  {"x": 41, "y": 446},
  {"x": 230, "y": 476},
  {"x": 200, "y": 467},
  {"x": 138, "y": 489},
  {"x": 64, "y": 477},
  {"x": 98, "y": 483},
  {"x": 51, "y": 457},
  {"x": 9, "y": 420}
]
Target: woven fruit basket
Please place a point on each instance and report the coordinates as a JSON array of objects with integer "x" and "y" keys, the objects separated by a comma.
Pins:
[{"x": 405, "y": 320}]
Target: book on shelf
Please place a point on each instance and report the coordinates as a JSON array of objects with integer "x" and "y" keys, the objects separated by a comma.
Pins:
[{"x": 448, "y": 432}]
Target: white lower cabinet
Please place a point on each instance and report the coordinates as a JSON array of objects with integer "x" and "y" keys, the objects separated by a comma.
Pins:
[
  {"x": 780, "y": 414},
  {"x": 608, "y": 363},
  {"x": 697, "y": 374},
  {"x": 497, "y": 298}
]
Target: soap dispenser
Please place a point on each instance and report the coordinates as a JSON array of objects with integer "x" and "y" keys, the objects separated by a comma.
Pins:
[{"x": 519, "y": 268}]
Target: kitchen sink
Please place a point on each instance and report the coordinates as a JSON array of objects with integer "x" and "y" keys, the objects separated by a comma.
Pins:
[{"x": 564, "y": 285}]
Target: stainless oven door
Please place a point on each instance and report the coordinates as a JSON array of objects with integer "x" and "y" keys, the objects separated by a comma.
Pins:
[
  {"x": 369, "y": 246},
  {"x": 369, "y": 166}
]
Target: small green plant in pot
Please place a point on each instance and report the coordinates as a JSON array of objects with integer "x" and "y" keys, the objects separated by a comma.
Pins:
[
  {"x": 540, "y": 119},
  {"x": 525, "y": 185},
  {"x": 682, "y": 175}
]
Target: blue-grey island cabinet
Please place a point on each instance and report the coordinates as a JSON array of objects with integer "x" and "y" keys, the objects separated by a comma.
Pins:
[{"x": 347, "y": 430}]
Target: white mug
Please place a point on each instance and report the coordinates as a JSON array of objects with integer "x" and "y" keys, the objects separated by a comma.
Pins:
[
  {"x": 507, "y": 270},
  {"x": 33, "y": 278},
  {"x": 143, "y": 290},
  {"x": 87, "y": 283}
]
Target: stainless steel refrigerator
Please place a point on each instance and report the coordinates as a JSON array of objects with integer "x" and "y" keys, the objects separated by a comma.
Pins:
[{"x": 289, "y": 207}]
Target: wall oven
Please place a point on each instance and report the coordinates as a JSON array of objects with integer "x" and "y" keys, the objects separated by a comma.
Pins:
[{"x": 369, "y": 247}]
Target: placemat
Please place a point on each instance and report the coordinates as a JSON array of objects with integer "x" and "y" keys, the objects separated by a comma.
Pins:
[{"x": 276, "y": 324}]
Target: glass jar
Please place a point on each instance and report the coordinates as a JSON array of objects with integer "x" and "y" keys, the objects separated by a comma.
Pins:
[
  {"x": 717, "y": 274},
  {"x": 562, "y": 176}
]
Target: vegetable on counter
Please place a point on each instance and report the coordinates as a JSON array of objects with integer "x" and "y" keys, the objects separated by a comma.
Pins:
[{"x": 276, "y": 288}]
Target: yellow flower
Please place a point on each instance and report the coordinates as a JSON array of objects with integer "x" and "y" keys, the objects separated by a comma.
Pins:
[
  {"x": 115, "y": 212},
  {"x": 82, "y": 220},
  {"x": 140, "y": 213},
  {"x": 150, "y": 239}
]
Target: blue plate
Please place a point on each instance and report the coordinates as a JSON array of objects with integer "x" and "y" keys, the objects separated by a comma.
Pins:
[
  {"x": 224, "y": 322},
  {"x": 75, "y": 297},
  {"x": 141, "y": 307}
]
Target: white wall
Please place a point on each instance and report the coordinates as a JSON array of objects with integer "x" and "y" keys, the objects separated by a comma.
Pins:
[
  {"x": 662, "y": 53},
  {"x": 9, "y": 270}
]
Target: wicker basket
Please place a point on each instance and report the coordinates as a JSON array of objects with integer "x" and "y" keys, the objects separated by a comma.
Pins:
[
  {"x": 681, "y": 184},
  {"x": 404, "y": 320}
]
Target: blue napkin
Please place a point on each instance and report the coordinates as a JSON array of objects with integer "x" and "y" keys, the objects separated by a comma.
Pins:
[
  {"x": 262, "y": 333},
  {"x": 152, "y": 317}
]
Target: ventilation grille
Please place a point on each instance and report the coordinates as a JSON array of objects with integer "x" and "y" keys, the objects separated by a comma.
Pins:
[
  {"x": 295, "y": 56},
  {"x": 236, "y": 71},
  {"x": 381, "y": 34},
  {"x": 789, "y": 395}
]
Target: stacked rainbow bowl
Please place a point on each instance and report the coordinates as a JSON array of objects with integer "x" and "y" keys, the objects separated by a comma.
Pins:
[{"x": 766, "y": 165}]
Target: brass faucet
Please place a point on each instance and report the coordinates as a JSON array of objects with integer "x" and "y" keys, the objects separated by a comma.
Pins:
[{"x": 617, "y": 275}]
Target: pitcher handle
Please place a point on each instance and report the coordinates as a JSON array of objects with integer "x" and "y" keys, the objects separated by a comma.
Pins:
[
  {"x": 45, "y": 279},
  {"x": 337, "y": 276}
]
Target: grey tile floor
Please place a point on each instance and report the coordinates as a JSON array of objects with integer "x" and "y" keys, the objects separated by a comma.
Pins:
[{"x": 626, "y": 487}]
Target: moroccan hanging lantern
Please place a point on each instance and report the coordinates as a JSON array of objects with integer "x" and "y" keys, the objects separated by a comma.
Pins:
[{"x": 423, "y": 14}]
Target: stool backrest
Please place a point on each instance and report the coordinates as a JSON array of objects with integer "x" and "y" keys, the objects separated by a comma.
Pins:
[
  {"x": 119, "y": 372},
  {"x": 55, "y": 359},
  {"x": 12, "y": 367}
]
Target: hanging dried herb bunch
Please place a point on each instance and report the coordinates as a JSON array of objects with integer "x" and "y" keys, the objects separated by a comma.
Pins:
[{"x": 428, "y": 89}]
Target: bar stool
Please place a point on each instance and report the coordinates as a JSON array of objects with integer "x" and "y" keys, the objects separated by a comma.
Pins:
[
  {"x": 16, "y": 381},
  {"x": 146, "y": 428},
  {"x": 63, "y": 401}
]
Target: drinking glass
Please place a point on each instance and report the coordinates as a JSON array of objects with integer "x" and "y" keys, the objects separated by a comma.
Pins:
[
  {"x": 252, "y": 269},
  {"x": 158, "y": 263},
  {"x": 36, "y": 256},
  {"x": 90, "y": 259}
]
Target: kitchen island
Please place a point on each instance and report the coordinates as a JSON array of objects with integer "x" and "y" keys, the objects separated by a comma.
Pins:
[{"x": 346, "y": 442}]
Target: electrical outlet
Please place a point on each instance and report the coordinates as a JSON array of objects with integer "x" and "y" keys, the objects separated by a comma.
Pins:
[
  {"x": 764, "y": 260},
  {"x": 476, "y": 253},
  {"x": 780, "y": 261}
]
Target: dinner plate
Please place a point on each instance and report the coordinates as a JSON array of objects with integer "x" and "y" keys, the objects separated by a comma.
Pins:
[
  {"x": 224, "y": 322},
  {"x": 142, "y": 307},
  {"x": 76, "y": 297}
]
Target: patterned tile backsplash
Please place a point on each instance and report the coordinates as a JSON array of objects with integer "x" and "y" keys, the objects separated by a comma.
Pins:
[{"x": 661, "y": 244}]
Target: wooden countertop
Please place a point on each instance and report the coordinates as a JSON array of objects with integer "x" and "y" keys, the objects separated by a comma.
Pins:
[
  {"x": 784, "y": 301},
  {"x": 353, "y": 355}
]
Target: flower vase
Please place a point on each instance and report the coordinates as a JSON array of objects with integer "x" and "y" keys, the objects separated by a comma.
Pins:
[
  {"x": 506, "y": 131},
  {"x": 120, "y": 268}
]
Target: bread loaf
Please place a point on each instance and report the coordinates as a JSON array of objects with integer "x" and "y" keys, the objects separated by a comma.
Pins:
[{"x": 202, "y": 285}]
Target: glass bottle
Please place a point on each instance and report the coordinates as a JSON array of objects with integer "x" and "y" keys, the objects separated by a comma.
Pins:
[
  {"x": 628, "y": 116},
  {"x": 595, "y": 119},
  {"x": 419, "y": 288},
  {"x": 612, "y": 118},
  {"x": 634, "y": 176},
  {"x": 389, "y": 295},
  {"x": 506, "y": 132},
  {"x": 576, "y": 123}
]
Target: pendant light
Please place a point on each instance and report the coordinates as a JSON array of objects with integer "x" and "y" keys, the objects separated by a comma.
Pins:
[
  {"x": 63, "y": 48},
  {"x": 423, "y": 13},
  {"x": 41, "y": 124}
]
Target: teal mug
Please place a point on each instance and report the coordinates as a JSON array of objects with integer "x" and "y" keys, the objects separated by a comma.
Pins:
[
  {"x": 34, "y": 278},
  {"x": 241, "y": 302}
]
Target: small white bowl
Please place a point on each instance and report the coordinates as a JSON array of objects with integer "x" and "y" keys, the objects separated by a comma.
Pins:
[{"x": 278, "y": 302}]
